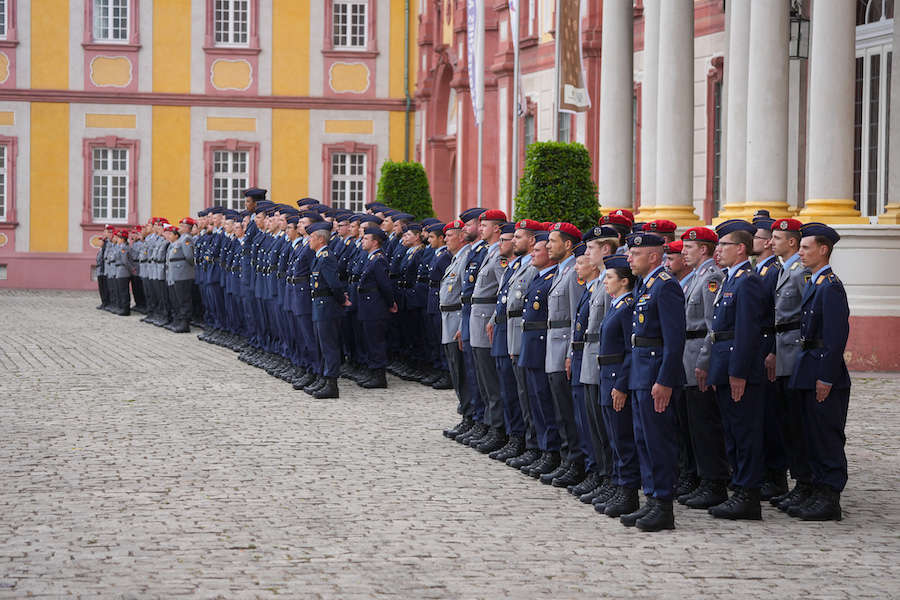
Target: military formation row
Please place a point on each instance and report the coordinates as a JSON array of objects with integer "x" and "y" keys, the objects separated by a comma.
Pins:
[{"x": 608, "y": 361}]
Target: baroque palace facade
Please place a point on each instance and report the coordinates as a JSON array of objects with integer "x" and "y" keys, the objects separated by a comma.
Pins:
[{"x": 112, "y": 111}]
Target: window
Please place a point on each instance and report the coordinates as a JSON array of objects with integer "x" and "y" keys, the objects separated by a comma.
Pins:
[
  {"x": 3, "y": 19},
  {"x": 716, "y": 148},
  {"x": 3, "y": 193},
  {"x": 111, "y": 20},
  {"x": 565, "y": 127},
  {"x": 349, "y": 25},
  {"x": 230, "y": 176},
  {"x": 348, "y": 181},
  {"x": 528, "y": 138},
  {"x": 109, "y": 185},
  {"x": 232, "y": 22}
]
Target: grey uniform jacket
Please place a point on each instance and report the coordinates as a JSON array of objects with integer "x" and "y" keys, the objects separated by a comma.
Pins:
[
  {"x": 180, "y": 260},
  {"x": 486, "y": 286},
  {"x": 562, "y": 301},
  {"x": 123, "y": 263},
  {"x": 788, "y": 305},
  {"x": 159, "y": 257},
  {"x": 515, "y": 301},
  {"x": 150, "y": 245},
  {"x": 144, "y": 266},
  {"x": 451, "y": 293},
  {"x": 699, "y": 304},
  {"x": 136, "y": 249},
  {"x": 101, "y": 260},
  {"x": 109, "y": 259},
  {"x": 599, "y": 304}
]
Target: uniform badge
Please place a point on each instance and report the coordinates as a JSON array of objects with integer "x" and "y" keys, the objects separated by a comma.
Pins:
[
  {"x": 450, "y": 288},
  {"x": 471, "y": 278},
  {"x": 712, "y": 286},
  {"x": 784, "y": 225},
  {"x": 641, "y": 318},
  {"x": 537, "y": 306},
  {"x": 807, "y": 277},
  {"x": 637, "y": 241},
  {"x": 577, "y": 326},
  {"x": 503, "y": 262},
  {"x": 692, "y": 235},
  {"x": 581, "y": 281}
]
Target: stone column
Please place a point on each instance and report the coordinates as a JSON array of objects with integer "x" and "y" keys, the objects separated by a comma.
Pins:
[
  {"x": 616, "y": 106},
  {"x": 737, "y": 71},
  {"x": 675, "y": 114},
  {"x": 767, "y": 108},
  {"x": 649, "y": 91},
  {"x": 832, "y": 73},
  {"x": 891, "y": 213}
]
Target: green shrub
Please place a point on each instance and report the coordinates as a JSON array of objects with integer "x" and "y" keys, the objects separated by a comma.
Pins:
[
  {"x": 404, "y": 186},
  {"x": 557, "y": 186}
]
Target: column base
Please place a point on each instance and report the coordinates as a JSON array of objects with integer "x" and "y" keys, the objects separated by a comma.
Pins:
[
  {"x": 732, "y": 211},
  {"x": 833, "y": 211},
  {"x": 890, "y": 216},
  {"x": 777, "y": 210},
  {"x": 684, "y": 216}
]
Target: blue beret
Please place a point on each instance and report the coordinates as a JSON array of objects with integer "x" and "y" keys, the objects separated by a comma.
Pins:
[
  {"x": 579, "y": 249},
  {"x": 435, "y": 228},
  {"x": 638, "y": 227},
  {"x": 370, "y": 219},
  {"x": 318, "y": 226},
  {"x": 430, "y": 221},
  {"x": 471, "y": 213},
  {"x": 292, "y": 219},
  {"x": 732, "y": 225},
  {"x": 604, "y": 231},
  {"x": 311, "y": 215},
  {"x": 820, "y": 229},
  {"x": 306, "y": 202},
  {"x": 762, "y": 214},
  {"x": 508, "y": 228},
  {"x": 616, "y": 261},
  {"x": 644, "y": 239},
  {"x": 376, "y": 232},
  {"x": 414, "y": 226},
  {"x": 541, "y": 236},
  {"x": 255, "y": 193}
]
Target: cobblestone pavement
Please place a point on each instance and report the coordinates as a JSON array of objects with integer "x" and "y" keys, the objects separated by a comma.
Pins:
[{"x": 136, "y": 463}]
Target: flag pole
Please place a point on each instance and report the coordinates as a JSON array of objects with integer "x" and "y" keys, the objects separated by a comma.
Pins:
[
  {"x": 479, "y": 109},
  {"x": 514, "y": 187},
  {"x": 556, "y": 82}
]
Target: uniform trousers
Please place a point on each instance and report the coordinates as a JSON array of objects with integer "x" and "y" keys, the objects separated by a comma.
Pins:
[
  {"x": 137, "y": 291},
  {"x": 123, "y": 296},
  {"x": 687, "y": 463},
  {"x": 524, "y": 404},
  {"x": 656, "y": 439},
  {"x": 472, "y": 382},
  {"x": 103, "y": 290},
  {"x": 823, "y": 426},
  {"x": 564, "y": 411},
  {"x": 707, "y": 435},
  {"x": 375, "y": 331},
  {"x": 619, "y": 428},
  {"x": 489, "y": 387},
  {"x": 598, "y": 431},
  {"x": 790, "y": 405},
  {"x": 512, "y": 415},
  {"x": 743, "y": 424},
  {"x": 181, "y": 300},
  {"x": 542, "y": 411},
  {"x": 328, "y": 346},
  {"x": 579, "y": 408},
  {"x": 776, "y": 455},
  {"x": 457, "y": 371}
]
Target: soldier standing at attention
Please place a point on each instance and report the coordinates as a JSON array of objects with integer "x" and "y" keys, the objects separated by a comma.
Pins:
[
  {"x": 655, "y": 380},
  {"x": 180, "y": 275},
  {"x": 102, "y": 285},
  {"x": 375, "y": 299},
  {"x": 820, "y": 375},
  {"x": 328, "y": 300}
]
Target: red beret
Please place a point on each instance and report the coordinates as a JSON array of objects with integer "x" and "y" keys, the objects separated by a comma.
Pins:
[
  {"x": 457, "y": 224},
  {"x": 188, "y": 221},
  {"x": 675, "y": 247},
  {"x": 622, "y": 212},
  {"x": 786, "y": 225},
  {"x": 530, "y": 225},
  {"x": 494, "y": 214},
  {"x": 111, "y": 228},
  {"x": 700, "y": 234},
  {"x": 568, "y": 229},
  {"x": 616, "y": 219},
  {"x": 547, "y": 225},
  {"x": 661, "y": 226}
]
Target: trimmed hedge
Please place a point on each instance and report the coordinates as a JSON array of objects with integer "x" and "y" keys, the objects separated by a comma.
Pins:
[
  {"x": 557, "y": 185},
  {"x": 404, "y": 187}
]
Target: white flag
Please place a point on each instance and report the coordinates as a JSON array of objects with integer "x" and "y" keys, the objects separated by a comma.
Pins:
[{"x": 475, "y": 55}]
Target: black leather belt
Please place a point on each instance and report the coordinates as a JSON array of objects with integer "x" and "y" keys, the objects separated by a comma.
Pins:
[
  {"x": 696, "y": 334},
  {"x": 534, "y": 325},
  {"x": 512, "y": 314},
  {"x": 646, "y": 342},
  {"x": 466, "y": 299},
  {"x": 321, "y": 293},
  {"x": 395, "y": 275},
  {"x": 721, "y": 336},
  {"x": 610, "y": 359},
  {"x": 782, "y": 327},
  {"x": 812, "y": 344},
  {"x": 500, "y": 319},
  {"x": 484, "y": 300},
  {"x": 591, "y": 337},
  {"x": 559, "y": 324},
  {"x": 577, "y": 346},
  {"x": 450, "y": 307},
  {"x": 175, "y": 259},
  {"x": 767, "y": 331}
]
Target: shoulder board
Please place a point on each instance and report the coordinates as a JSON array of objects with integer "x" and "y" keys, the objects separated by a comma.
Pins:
[
  {"x": 833, "y": 278},
  {"x": 664, "y": 276},
  {"x": 324, "y": 253},
  {"x": 629, "y": 300}
]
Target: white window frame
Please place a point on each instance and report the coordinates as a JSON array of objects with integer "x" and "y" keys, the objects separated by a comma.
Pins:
[
  {"x": 874, "y": 39},
  {"x": 345, "y": 184},
  {"x": 351, "y": 40},
  {"x": 123, "y": 30},
  {"x": 4, "y": 18},
  {"x": 4, "y": 181},
  {"x": 231, "y": 8},
  {"x": 226, "y": 178},
  {"x": 106, "y": 179}
]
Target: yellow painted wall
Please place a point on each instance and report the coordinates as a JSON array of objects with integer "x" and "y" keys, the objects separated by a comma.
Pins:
[
  {"x": 49, "y": 44},
  {"x": 396, "y": 73},
  {"x": 7, "y": 117},
  {"x": 290, "y": 152},
  {"x": 171, "y": 167},
  {"x": 349, "y": 126},
  {"x": 230, "y": 124},
  {"x": 110, "y": 121},
  {"x": 290, "y": 47},
  {"x": 172, "y": 46},
  {"x": 396, "y": 137},
  {"x": 49, "y": 200}
]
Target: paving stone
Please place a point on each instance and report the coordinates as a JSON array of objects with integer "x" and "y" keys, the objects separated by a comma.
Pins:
[{"x": 137, "y": 463}]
